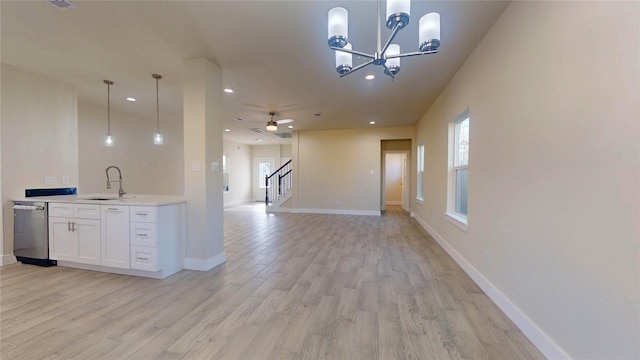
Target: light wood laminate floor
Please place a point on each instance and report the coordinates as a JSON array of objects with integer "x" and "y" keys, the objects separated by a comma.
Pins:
[{"x": 295, "y": 286}]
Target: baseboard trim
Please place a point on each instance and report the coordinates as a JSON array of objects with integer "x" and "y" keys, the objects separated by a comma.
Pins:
[
  {"x": 7, "y": 260},
  {"x": 205, "y": 264},
  {"x": 337, "y": 212},
  {"x": 539, "y": 338}
]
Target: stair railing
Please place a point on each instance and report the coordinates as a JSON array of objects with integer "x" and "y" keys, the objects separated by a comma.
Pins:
[{"x": 278, "y": 184}]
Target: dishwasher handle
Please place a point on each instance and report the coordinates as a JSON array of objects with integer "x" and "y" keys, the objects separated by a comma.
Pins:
[{"x": 28, "y": 207}]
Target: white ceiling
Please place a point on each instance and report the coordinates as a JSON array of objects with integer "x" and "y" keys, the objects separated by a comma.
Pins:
[{"x": 274, "y": 54}]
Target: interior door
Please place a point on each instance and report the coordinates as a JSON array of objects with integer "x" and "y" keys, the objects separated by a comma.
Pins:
[{"x": 262, "y": 167}]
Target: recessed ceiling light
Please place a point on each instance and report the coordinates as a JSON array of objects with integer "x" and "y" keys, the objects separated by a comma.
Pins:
[
  {"x": 227, "y": 130},
  {"x": 259, "y": 140},
  {"x": 131, "y": 99},
  {"x": 317, "y": 114},
  {"x": 372, "y": 122},
  {"x": 370, "y": 77},
  {"x": 228, "y": 91},
  {"x": 290, "y": 126}
]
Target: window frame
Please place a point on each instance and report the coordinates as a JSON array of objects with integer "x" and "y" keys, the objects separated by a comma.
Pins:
[
  {"x": 420, "y": 172},
  {"x": 455, "y": 165}
]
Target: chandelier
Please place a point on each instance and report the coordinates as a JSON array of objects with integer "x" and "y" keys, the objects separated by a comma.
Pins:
[{"x": 387, "y": 55}]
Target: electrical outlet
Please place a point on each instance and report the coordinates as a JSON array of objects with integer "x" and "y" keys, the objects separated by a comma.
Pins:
[
  {"x": 65, "y": 180},
  {"x": 49, "y": 180}
]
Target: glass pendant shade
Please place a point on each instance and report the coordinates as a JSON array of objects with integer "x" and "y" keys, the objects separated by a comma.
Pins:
[
  {"x": 158, "y": 139},
  {"x": 393, "y": 64},
  {"x": 338, "y": 27},
  {"x": 398, "y": 12},
  {"x": 108, "y": 140},
  {"x": 429, "y": 32},
  {"x": 344, "y": 60}
]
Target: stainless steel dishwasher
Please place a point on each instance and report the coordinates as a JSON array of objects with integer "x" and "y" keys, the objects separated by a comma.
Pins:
[{"x": 30, "y": 233}]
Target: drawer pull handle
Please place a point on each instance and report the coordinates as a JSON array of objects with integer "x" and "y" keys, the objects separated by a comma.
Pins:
[
  {"x": 141, "y": 214},
  {"x": 142, "y": 258},
  {"x": 142, "y": 235},
  {"x": 112, "y": 209}
]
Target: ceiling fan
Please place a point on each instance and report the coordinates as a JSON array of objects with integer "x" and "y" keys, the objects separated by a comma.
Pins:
[{"x": 272, "y": 125}]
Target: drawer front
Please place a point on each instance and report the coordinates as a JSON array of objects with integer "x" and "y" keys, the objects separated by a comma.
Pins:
[
  {"x": 86, "y": 211},
  {"x": 143, "y": 213},
  {"x": 143, "y": 234},
  {"x": 61, "y": 209},
  {"x": 144, "y": 258}
]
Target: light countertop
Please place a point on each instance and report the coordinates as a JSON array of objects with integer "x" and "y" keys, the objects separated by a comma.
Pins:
[{"x": 111, "y": 199}]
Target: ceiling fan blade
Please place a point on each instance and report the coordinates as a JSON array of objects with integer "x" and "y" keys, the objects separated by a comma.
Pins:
[{"x": 284, "y": 121}]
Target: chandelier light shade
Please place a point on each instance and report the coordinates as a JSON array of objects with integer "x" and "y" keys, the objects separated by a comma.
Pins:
[
  {"x": 398, "y": 12},
  {"x": 393, "y": 63},
  {"x": 387, "y": 55},
  {"x": 429, "y": 32},
  {"x": 108, "y": 140},
  {"x": 157, "y": 137},
  {"x": 344, "y": 60},
  {"x": 338, "y": 27}
]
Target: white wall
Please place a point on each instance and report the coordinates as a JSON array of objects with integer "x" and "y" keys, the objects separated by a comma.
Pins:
[
  {"x": 333, "y": 169},
  {"x": 554, "y": 173},
  {"x": 146, "y": 168},
  {"x": 240, "y": 165},
  {"x": 39, "y": 137}
]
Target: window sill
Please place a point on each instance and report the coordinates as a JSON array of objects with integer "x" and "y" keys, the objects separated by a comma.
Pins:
[
  {"x": 420, "y": 201},
  {"x": 457, "y": 220}
]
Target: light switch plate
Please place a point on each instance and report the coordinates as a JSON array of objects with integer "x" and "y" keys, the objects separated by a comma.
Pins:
[
  {"x": 65, "y": 180},
  {"x": 215, "y": 166},
  {"x": 195, "y": 165}
]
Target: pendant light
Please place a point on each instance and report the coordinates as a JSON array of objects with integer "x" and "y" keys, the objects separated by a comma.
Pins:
[
  {"x": 157, "y": 137},
  {"x": 108, "y": 140}
]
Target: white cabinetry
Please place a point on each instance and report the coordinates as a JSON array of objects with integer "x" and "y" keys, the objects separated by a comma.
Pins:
[
  {"x": 74, "y": 232},
  {"x": 126, "y": 239},
  {"x": 115, "y": 236}
]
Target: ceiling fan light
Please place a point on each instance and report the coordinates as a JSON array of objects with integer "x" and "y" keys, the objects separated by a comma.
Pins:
[
  {"x": 429, "y": 32},
  {"x": 272, "y": 126},
  {"x": 338, "y": 27},
  {"x": 398, "y": 12}
]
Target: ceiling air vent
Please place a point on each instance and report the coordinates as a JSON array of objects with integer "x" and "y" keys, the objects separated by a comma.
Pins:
[
  {"x": 257, "y": 130},
  {"x": 283, "y": 135},
  {"x": 61, "y": 4}
]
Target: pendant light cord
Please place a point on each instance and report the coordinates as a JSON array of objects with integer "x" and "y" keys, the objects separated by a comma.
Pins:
[
  {"x": 109, "y": 83},
  {"x": 157, "y": 77}
]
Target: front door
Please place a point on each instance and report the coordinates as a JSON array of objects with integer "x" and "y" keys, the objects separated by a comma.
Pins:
[{"x": 263, "y": 167}]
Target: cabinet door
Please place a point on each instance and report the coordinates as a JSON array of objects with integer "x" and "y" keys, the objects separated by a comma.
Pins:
[
  {"x": 115, "y": 236},
  {"x": 63, "y": 243},
  {"x": 88, "y": 232}
]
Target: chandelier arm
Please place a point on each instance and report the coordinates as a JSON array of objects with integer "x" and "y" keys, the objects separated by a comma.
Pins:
[
  {"x": 415, "y": 53},
  {"x": 353, "y": 52},
  {"x": 393, "y": 35},
  {"x": 357, "y": 68}
]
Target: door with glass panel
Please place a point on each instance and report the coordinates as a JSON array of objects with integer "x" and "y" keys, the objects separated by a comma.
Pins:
[{"x": 263, "y": 167}]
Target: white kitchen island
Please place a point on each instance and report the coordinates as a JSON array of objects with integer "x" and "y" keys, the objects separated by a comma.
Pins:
[{"x": 139, "y": 235}]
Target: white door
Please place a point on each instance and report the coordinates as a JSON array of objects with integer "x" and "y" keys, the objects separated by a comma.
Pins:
[{"x": 262, "y": 168}]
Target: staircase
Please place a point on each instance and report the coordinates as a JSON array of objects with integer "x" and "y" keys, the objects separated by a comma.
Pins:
[{"x": 278, "y": 187}]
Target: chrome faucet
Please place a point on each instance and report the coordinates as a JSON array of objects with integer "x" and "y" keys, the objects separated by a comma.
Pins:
[{"x": 120, "y": 191}]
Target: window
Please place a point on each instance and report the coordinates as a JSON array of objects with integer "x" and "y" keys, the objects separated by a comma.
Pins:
[
  {"x": 458, "y": 170},
  {"x": 225, "y": 172},
  {"x": 420, "y": 170}
]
